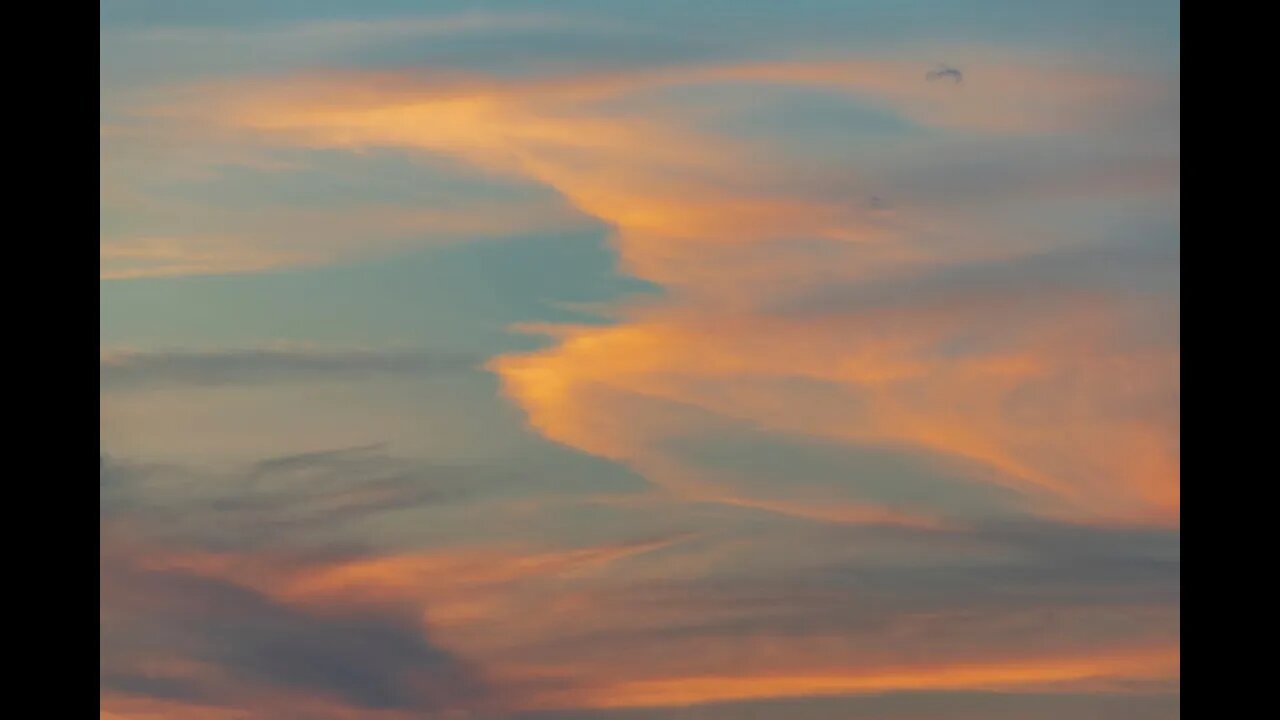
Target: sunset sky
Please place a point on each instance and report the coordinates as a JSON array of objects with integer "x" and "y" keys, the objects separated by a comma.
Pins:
[{"x": 639, "y": 359}]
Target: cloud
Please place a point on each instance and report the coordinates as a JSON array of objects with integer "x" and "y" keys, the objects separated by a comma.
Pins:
[
  {"x": 684, "y": 691},
  {"x": 541, "y": 128},
  {"x": 657, "y": 622},
  {"x": 306, "y": 499},
  {"x": 238, "y": 643},
  {"x": 372, "y": 498},
  {"x": 183, "y": 200},
  {"x": 979, "y": 379},
  {"x": 319, "y": 35},
  {"x": 277, "y": 239},
  {"x": 466, "y": 37},
  {"x": 972, "y": 705},
  {"x": 245, "y": 615},
  {"x": 952, "y": 331},
  {"x": 996, "y": 342},
  {"x": 122, "y": 369}
]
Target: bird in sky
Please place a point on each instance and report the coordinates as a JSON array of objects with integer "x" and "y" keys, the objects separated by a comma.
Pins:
[{"x": 945, "y": 71}]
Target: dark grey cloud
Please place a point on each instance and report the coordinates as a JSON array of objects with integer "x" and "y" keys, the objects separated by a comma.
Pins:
[
  {"x": 1072, "y": 543},
  {"x": 125, "y": 370},
  {"x": 132, "y": 682},
  {"x": 368, "y": 659}
]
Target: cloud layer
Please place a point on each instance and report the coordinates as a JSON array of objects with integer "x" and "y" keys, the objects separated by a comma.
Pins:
[{"x": 880, "y": 419}]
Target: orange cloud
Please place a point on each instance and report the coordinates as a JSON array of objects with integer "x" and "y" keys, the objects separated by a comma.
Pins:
[
  {"x": 1044, "y": 390},
  {"x": 887, "y": 385},
  {"x": 417, "y": 575},
  {"x": 1009, "y": 675},
  {"x": 1048, "y": 397}
]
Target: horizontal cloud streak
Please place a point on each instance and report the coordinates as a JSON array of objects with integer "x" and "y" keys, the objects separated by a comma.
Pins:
[
  {"x": 685, "y": 691},
  {"x": 129, "y": 369}
]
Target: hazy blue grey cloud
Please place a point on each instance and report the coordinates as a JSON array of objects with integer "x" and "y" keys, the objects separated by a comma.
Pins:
[
  {"x": 332, "y": 499},
  {"x": 1133, "y": 268},
  {"x": 1062, "y": 588},
  {"x": 1047, "y": 569},
  {"x": 127, "y": 370},
  {"x": 307, "y": 498}
]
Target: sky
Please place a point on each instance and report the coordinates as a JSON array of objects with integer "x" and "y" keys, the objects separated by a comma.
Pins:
[{"x": 639, "y": 360}]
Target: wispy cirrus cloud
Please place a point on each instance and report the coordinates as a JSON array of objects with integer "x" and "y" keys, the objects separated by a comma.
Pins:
[{"x": 942, "y": 372}]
